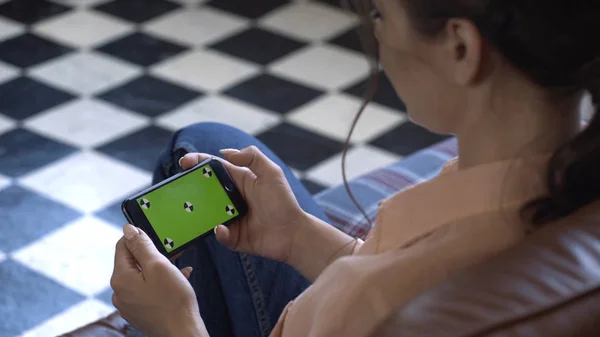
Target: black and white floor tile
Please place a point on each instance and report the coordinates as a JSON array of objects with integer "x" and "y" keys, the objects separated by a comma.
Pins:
[{"x": 91, "y": 90}]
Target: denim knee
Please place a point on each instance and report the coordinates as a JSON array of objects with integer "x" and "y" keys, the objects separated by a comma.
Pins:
[{"x": 203, "y": 137}]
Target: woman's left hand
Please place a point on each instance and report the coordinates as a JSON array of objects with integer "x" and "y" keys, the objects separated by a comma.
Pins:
[{"x": 150, "y": 293}]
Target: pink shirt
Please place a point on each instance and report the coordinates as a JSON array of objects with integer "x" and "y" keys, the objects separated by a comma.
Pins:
[{"x": 422, "y": 236}]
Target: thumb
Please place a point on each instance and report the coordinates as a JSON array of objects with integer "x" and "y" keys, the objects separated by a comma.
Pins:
[
  {"x": 228, "y": 236},
  {"x": 252, "y": 158},
  {"x": 140, "y": 246}
]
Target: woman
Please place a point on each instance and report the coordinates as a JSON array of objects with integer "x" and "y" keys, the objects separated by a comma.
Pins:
[{"x": 505, "y": 76}]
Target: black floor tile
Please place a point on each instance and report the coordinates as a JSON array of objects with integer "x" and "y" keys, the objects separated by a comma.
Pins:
[
  {"x": 385, "y": 95},
  {"x": 298, "y": 147},
  {"x": 137, "y": 11},
  {"x": 22, "y": 152},
  {"x": 28, "y": 50},
  {"x": 249, "y": 9},
  {"x": 407, "y": 139},
  {"x": 112, "y": 214},
  {"x": 258, "y": 46},
  {"x": 273, "y": 93},
  {"x": 349, "y": 39},
  {"x": 141, "y": 49},
  {"x": 149, "y": 96},
  {"x": 27, "y": 216},
  {"x": 106, "y": 296},
  {"x": 140, "y": 149},
  {"x": 28, "y": 298},
  {"x": 31, "y": 11},
  {"x": 24, "y": 97}
]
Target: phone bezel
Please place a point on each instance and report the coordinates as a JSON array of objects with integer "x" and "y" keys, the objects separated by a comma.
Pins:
[{"x": 135, "y": 216}]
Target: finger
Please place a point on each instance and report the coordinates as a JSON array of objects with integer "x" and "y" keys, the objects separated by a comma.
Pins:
[
  {"x": 115, "y": 301},
  {"x": 252, "y": 158},
  {"x": 192, "y": 159},
  {"x": 175, "y": 257},
  {"x": 124, "y": 260},
  {"x": 187, "y": 272},
  {"x": 140, "y": 246},
  {"x": 238, "y": 174},
  {"x": 228, "y": 236}
]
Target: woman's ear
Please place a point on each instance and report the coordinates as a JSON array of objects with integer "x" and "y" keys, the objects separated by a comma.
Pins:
[{"x": 464, "y": 49}]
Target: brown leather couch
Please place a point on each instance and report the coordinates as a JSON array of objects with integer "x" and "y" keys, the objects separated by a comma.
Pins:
[{"x": 548, "y": 286}]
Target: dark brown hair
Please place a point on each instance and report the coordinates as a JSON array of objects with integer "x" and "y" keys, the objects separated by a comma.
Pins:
[{"x": 551, "y": 42}]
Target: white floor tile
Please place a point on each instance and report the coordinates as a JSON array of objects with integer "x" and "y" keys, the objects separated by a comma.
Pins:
[
  {"x": 196, "y": 26},
  {"x": 325, "y": 21},
  {"x": 80, "y": 255},
  {"x": 87, "y": 181},
  {"x": 86, "y": 123},
  {"x": 71, "y": 319},
  {"x": 221, "y": 110},
  {"x": 9, "y": 28},
  {"x": 82, "y": 28},
  {"x": 6, "y": 124},
  {"x": 205, "y": 70},
  {"x": 85, "y": 73},
  {"x": 297, "y": 174},
  {"x": 360, "y": 160},
  {"x": 7, "y": 72},
  {"x": 4, "y": 182},
  {"x": 333, "y": 115},
  {"x": 323, "y": 66}
]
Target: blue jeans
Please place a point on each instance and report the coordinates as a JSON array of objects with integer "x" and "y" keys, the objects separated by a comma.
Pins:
[{"x": 238, "y": 294}]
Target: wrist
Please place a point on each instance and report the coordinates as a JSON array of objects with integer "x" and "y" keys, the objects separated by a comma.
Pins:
[
  {"x": 189, "y": 326},
  {"x": 304, "y": 230},
  {"x": 189, "y": 331},
  {"x": 316, "y": 244}
]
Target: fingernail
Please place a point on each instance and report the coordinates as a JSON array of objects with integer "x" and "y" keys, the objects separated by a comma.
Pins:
[
  {"x": 130, "y": 231},
  {"x": 179, "y": 162},
  {"x": 229, "y": 151},
  {"x": 215, "y": 230}
]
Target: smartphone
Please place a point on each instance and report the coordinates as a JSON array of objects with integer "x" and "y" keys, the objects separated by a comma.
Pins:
[{"x": 186, "y": 207}]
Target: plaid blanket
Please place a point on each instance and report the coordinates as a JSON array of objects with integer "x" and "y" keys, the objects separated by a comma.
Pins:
[{"x": 381, "y": 184}]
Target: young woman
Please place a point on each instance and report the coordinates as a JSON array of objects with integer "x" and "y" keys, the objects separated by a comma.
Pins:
[{"x": 505, "y": 76}]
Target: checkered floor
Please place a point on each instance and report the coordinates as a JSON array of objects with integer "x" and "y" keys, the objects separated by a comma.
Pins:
[{"x": 91, "y": 90}]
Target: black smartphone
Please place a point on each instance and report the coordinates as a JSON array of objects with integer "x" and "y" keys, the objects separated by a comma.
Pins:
[{"x": 186, "y": 207}]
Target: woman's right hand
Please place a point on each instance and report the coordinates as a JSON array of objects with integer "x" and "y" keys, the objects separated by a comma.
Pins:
[{"x": 274, "y": 215}]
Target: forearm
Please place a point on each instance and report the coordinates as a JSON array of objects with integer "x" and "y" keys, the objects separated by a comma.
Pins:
[
  {"x": 316, "y": 244},
  {"x": 191, "y": 333}
]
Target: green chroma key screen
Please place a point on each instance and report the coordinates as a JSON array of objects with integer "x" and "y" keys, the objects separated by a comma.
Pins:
[{"x": 187, "y": 207}]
